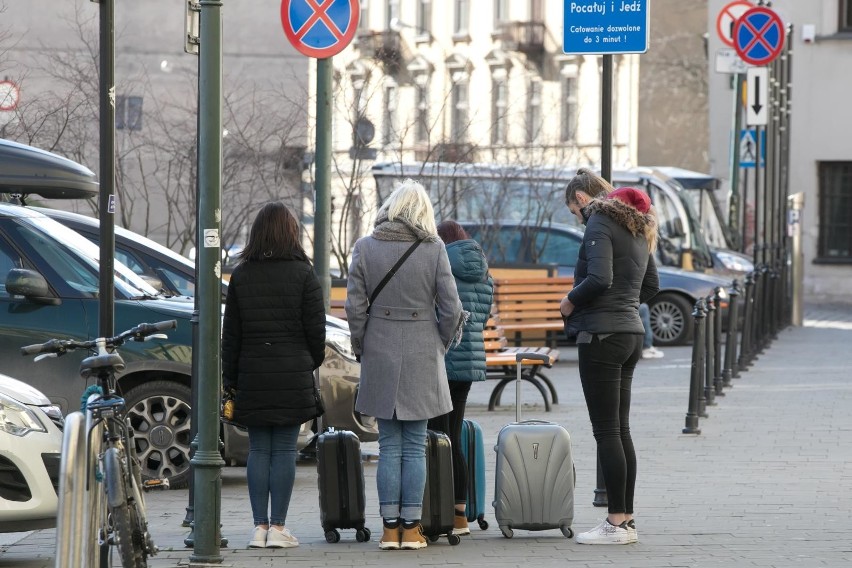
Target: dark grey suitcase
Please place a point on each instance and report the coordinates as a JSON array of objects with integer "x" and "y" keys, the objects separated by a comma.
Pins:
[
  {"x": 438, "y": 498},
  {"x": 341, "y": 485},
  {"x": 534, "y": 485}
]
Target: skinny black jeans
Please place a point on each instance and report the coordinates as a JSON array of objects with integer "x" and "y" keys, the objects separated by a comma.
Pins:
[
  {"x": 451, "y": 425},
  {"x": 606, "y": 372}
]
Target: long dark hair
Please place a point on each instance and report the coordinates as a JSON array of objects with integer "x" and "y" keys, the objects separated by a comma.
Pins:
[
  {"x": 274, "y": 235},
  {"x": 450, "y": 232}
]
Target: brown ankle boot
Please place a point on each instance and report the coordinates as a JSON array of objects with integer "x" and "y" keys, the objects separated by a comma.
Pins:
[
  {"x": 460, "y": 525},
  {"x": 390, "y": 538},
  {"x": 413, "y": 539}
]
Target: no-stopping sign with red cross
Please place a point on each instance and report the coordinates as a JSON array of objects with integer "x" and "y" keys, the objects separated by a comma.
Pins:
[
  {"x": 759, "y": 36},
  {"x": 320, "y": 28}
]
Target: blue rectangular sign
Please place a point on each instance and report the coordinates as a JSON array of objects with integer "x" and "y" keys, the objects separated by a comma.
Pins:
[{"x": 605, "y": 26}]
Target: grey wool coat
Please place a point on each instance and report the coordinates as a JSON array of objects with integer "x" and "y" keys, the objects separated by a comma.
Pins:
[{"x": 414, "y": 320}]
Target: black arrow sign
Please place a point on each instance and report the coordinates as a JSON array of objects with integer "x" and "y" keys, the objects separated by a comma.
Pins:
[{"x": 757, "y": 106}]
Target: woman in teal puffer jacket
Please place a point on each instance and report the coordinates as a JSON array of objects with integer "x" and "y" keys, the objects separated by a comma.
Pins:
[{"x": 465, "y": 362}]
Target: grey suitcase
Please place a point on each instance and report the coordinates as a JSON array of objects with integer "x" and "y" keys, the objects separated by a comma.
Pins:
[{"x": 534, "y": 485}]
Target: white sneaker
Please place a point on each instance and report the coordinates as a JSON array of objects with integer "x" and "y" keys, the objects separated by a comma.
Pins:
[
  {"x": 605, "y": 533},
  {"x": 280, "y": 538},
  {"x": 631, "y": 531},
  {"x": 652, "y": 353},
  {"x": 258, "y": 538}
]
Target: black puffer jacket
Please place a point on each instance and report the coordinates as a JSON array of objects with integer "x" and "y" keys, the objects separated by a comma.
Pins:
[
  {"x": 615, "y": 271},
  {"x": 273, "y": 337}
]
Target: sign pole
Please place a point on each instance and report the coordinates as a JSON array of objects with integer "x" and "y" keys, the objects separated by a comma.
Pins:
[
  {"x": 734, "y": 203},
  {"x": 322, "y": 185},
  {"x": 207, "y": 461},
  {"x": 106, "y": 197},
  {"x": 758, "y": 151},
  {"x": 601, "y": 499}
]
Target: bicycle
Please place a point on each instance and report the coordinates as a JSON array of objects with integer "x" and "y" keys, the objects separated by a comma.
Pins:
[{"x": 123, "y": 522}]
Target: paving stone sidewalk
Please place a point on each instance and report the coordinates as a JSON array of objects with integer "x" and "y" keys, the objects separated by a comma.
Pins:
[{"x": 767, "y": 483}]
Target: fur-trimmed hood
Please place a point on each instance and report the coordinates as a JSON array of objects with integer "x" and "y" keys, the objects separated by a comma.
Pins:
[{"x": 627, "y": 216}]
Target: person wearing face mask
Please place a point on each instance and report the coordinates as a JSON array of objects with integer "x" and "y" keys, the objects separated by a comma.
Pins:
[{"x": 615, "y": 272}]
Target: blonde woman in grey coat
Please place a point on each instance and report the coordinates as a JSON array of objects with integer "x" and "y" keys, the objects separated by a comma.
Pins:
[{"x": 401, "y": 343}]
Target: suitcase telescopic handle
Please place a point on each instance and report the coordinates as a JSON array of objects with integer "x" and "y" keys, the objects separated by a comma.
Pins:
[
  {"x": 531, "y": 357},
  {"x": 520, "y": 358}
]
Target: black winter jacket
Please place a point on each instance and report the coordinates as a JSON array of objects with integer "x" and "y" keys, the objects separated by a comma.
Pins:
[
  {"x": 273, "y": 337},
  {"x": 615, "y": 271}
]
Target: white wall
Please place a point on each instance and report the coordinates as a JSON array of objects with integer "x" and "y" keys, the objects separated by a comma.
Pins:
[{"x": 821, "y": 123}]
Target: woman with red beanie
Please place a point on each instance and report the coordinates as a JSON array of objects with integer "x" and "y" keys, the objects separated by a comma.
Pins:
[{"x": 614, "y": 273}]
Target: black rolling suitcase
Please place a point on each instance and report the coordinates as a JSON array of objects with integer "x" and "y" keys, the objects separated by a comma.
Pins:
[
  {"x": 439, "y": 498},
  {"x": 341, "y": 484}
]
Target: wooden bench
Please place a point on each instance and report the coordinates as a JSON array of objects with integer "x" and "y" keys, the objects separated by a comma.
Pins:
[
  {"x": 529, "y": 307},
  {"x": 499, "y": 357},
  {"x": 501, "y": 364}
]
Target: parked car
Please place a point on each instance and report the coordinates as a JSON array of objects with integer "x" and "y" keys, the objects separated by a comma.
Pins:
[
  {"x": 30, "y": 451},
  {"x": 559, "y": 245},
  {"x": 174, "y": 275},
  {"x": 49, "y": 288},
  {"x": 537, "y": 193}
]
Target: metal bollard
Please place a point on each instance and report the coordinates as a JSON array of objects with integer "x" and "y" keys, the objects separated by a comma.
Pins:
[
  {"x": 71, "y": 539},
  {"x": 695, "y": 373},
  {"x": 730, "y": 370},
  {"x": 717, "y": 343},
  {"x": 745, "y": 338},
  {"x": 709, "y": 352}
]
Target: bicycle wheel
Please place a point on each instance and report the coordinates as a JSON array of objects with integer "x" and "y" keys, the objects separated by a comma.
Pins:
[{"x": 127, "y": 530}]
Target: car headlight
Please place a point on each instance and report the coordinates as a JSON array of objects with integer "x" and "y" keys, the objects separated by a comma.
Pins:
[
  {"x": 17, "y": 419},
  {"x": 340, "y": 341},
  {"x": 735, "y": 262},
  {"x": 723, "y": 293}
]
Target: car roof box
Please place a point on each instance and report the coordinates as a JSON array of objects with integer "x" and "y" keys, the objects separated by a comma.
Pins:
[{"x": 27, "y": 170}]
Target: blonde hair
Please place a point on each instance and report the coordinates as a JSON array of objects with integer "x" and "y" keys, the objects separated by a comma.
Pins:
[{"x": 410, "y": 203}]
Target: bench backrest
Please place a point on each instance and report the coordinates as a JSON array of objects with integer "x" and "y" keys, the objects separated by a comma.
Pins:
[{"x": 529, "y": 307}]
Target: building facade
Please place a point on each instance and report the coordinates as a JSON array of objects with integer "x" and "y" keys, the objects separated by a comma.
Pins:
[
  {"x": 463, "y": 81},
  {"x": 820, "y": 164},
  {"x": 50, "y": 50}
]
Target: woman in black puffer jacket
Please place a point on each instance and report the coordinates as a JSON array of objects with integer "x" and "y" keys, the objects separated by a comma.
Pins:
[
  {"x": 614, "y": 273},
  {"x": 273, "y": 338}
]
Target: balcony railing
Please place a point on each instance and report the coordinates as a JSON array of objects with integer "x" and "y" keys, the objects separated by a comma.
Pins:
[
  {"x": 524, "y": 37},
  {"x": 383, "y": 46}
]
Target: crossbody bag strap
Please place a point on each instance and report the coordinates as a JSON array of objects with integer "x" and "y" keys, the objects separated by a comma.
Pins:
[{"x": 392, "y": 271}]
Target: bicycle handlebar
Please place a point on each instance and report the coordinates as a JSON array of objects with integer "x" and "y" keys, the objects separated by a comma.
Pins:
[{"x": 61, "y": 346}]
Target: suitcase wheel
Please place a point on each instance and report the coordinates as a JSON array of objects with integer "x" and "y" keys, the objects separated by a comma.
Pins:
[
  {"x": 362, "y": 535},
  {"x": 432, "y": 538},
  {"x": 332, "y": 536},
  {"x": 483, "y": 524},
  {"x": 453, "y": 539},
  {"x": 507, "y": 532},
  {"x": 567, "y": 531}
]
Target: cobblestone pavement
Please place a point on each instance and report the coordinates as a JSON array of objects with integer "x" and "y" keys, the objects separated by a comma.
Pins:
[{"x": 767, "y": 483}]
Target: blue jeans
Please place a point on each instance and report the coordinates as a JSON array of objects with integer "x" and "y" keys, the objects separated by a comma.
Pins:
[
  {"x": 645, "y": 315},
  {"x": 401, "y": 474},
  {"x": 271, "y": 471}
]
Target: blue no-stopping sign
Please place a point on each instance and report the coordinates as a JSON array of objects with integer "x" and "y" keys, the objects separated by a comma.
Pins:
[
  {"x": 320, "y": 28},
  {"x": 605, "y": 26},
  {"x": 759, "y": 36}
]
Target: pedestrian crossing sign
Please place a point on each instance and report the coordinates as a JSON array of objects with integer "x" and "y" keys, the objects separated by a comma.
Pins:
[{"x": 748, "y": 148}]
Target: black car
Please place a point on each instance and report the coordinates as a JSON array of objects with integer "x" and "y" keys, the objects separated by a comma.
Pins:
[{"x": 512, "y": 242}]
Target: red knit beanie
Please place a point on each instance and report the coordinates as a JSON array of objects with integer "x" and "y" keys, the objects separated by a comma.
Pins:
[{"x": 631, "y": 196}]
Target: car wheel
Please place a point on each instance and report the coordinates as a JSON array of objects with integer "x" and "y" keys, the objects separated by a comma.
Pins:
[
  {"x": 671, "y": 319},
  {"x": 160, "y": 412}
]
